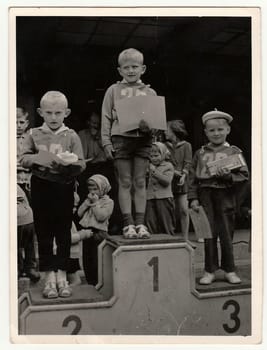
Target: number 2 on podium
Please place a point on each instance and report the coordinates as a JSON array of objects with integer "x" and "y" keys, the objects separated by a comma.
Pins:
[{"x": 154, "y": 262}]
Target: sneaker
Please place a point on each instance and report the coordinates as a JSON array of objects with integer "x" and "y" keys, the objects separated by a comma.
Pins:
[
  {"x": 64, "y": 290},
  {"x": 232, "y": 278},
  {"x": 129, "y": 232},
  {"x": 50, "y": 290},
  {"x": 200, "y": 240},
  {"x": 33, "y": 275},
  {"x": 207, "y": 278},
  {"x": 142, "y": 231}
]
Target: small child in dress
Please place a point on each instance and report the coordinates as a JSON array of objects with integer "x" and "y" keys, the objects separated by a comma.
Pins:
[
  {"x": 160, "y": 204},
  {"x": 181, "y": 158},
  {"x": 217, "y": 194},
  {"x": 95, "y": 212},
  {"x": 25, "y": 244}
]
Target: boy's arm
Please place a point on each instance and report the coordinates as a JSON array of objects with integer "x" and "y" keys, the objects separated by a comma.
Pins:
[
  {"x": 106, "y": 120},
  {"x": 103, "y": 211},
  {"x": 165, "y": 177},
  {"x": 29, "y": 153}
]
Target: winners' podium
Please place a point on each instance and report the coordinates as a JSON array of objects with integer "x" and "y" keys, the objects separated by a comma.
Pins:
[{"x": 145, "y": 287}]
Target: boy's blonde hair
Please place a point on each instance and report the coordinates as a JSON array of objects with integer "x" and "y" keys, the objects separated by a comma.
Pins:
[
  {"x": 130, "y": 54},
  {"x": 54, "y": 96}
]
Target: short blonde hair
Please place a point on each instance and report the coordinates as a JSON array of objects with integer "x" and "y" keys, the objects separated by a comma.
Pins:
[
  {"x": 54, "y": 96},
  {"x": 130, "y": 54}
]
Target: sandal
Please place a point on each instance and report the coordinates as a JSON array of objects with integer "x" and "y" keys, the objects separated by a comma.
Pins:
[
  {"x": 129, "y": 232},
  {"x": 50, "y": 290},
  {"x": 142, "y": 231},
  {"x": 64, "y": 290}
]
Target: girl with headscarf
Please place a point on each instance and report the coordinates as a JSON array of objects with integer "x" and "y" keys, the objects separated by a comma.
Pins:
[
  {"x": 160, "y": 205},
  {"x": 95, "y": 212}
]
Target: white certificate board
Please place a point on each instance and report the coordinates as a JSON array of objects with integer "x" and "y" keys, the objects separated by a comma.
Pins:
[{"x": 133, "y": 109}]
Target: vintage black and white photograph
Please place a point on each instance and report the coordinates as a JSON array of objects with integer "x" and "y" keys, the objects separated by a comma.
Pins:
[{"x": 133, "y": 133}]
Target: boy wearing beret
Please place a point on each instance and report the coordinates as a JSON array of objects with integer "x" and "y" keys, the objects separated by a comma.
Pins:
[{"x": 216, "y": 193}]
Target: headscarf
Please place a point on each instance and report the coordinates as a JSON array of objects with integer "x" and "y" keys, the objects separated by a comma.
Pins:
[
  {"x": 163, "y": 150},
  {"x": 102, "y": 183}
]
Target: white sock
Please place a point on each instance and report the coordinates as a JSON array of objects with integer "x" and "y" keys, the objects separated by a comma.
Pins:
[
  {"x": 61, "y": 275},
  {"x": 50, "y": 276}
]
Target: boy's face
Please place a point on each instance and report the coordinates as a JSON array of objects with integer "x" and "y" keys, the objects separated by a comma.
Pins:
[
  {"x": 155, "y": 156},
  {"x": 54, "y": 112},
  {"x": 22, "y": 121},
  {"x": 217, "y": 130},
  {"x": 131, "y": 70}
]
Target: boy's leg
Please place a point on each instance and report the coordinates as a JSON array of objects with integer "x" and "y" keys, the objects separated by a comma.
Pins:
[
  {"x": 225, "y": 218},
  {"x": 211, "y": 251},
  {"x": 139, "y": 181},
  {"x": 124, "y": 172}
]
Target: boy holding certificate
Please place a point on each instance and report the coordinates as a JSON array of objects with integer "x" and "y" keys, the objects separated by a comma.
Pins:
[
  {"x": 217, "y": 193},
  {"x": 130, "y": 149}
]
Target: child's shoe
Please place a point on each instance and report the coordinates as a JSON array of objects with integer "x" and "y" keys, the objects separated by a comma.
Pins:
[
  {"x": 50, "y": 290},
  {"x": 142, "y": 231},
  {"x": 64, "y": 290},
  {"x": 33, "y": 275},
  {"x": 129, "y": 232},
  {"x": 74, "y": 279},
  {"x": 207, "y": 278},
  {"x": 232, "y": 278}
]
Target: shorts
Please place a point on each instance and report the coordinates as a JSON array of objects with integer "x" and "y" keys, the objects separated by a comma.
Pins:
[{"x": 131, "y": 147}]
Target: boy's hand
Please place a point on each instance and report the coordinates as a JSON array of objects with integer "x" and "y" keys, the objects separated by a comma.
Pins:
[
  {"x": 84, "y": 234},
  {"x": 109, "y": 150},
  {"x": 195, "y": 205},
  {"x": 223, "y": 173},
  {"x": 93, "y": 198},
  {"x": 177, "y": 173},
  {"x": 144, "y": 127}
]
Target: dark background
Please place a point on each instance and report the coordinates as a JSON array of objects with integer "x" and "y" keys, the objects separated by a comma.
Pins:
[{"x": 197, "y": 63}]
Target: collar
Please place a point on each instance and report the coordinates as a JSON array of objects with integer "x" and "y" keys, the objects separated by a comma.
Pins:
[
  {"x": 211, "y": 147},
  {"x": 46, "y": 128},
  {"x": 124, "y": 81}
]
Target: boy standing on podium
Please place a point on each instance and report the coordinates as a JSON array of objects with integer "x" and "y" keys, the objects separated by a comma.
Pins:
[
  {"x": 129, "y": 150},
  {"x": 217, "y": 194}
]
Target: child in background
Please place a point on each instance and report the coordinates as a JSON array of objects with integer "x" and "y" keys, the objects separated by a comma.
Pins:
[
  {"x": 217, "y": 194},
  {"x": 75, "y": 252},
  {"x": 130, "y": 150},
  {"x": 54, "y": 154},
  {"x": 95, "y": 212},
  {"x": 25, "y": 226},
  {"x": 23, "y": 174},
  {"x": 181, "y": 158},
  {"x": 160, "y": 204}
]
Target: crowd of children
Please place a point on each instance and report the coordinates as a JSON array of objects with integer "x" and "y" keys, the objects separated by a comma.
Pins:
[{"x": 155, "y": 181}]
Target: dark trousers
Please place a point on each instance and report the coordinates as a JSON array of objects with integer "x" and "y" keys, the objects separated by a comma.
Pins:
[
  {"x": 25, "y": 248},
  {"x": 52, "y": 205},
  {"x": 219, "y": 205},
  {"x": 160, "y": 216},
  {"x": 90, "y": 256}
]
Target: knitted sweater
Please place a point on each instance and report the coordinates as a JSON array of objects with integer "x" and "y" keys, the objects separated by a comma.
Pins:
[
  {"x": 160, "y": 180},
  {"x": 199, "y": 175},
  {"x": 110, "y": 124},
  {"x": 42, "y": 139}
]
